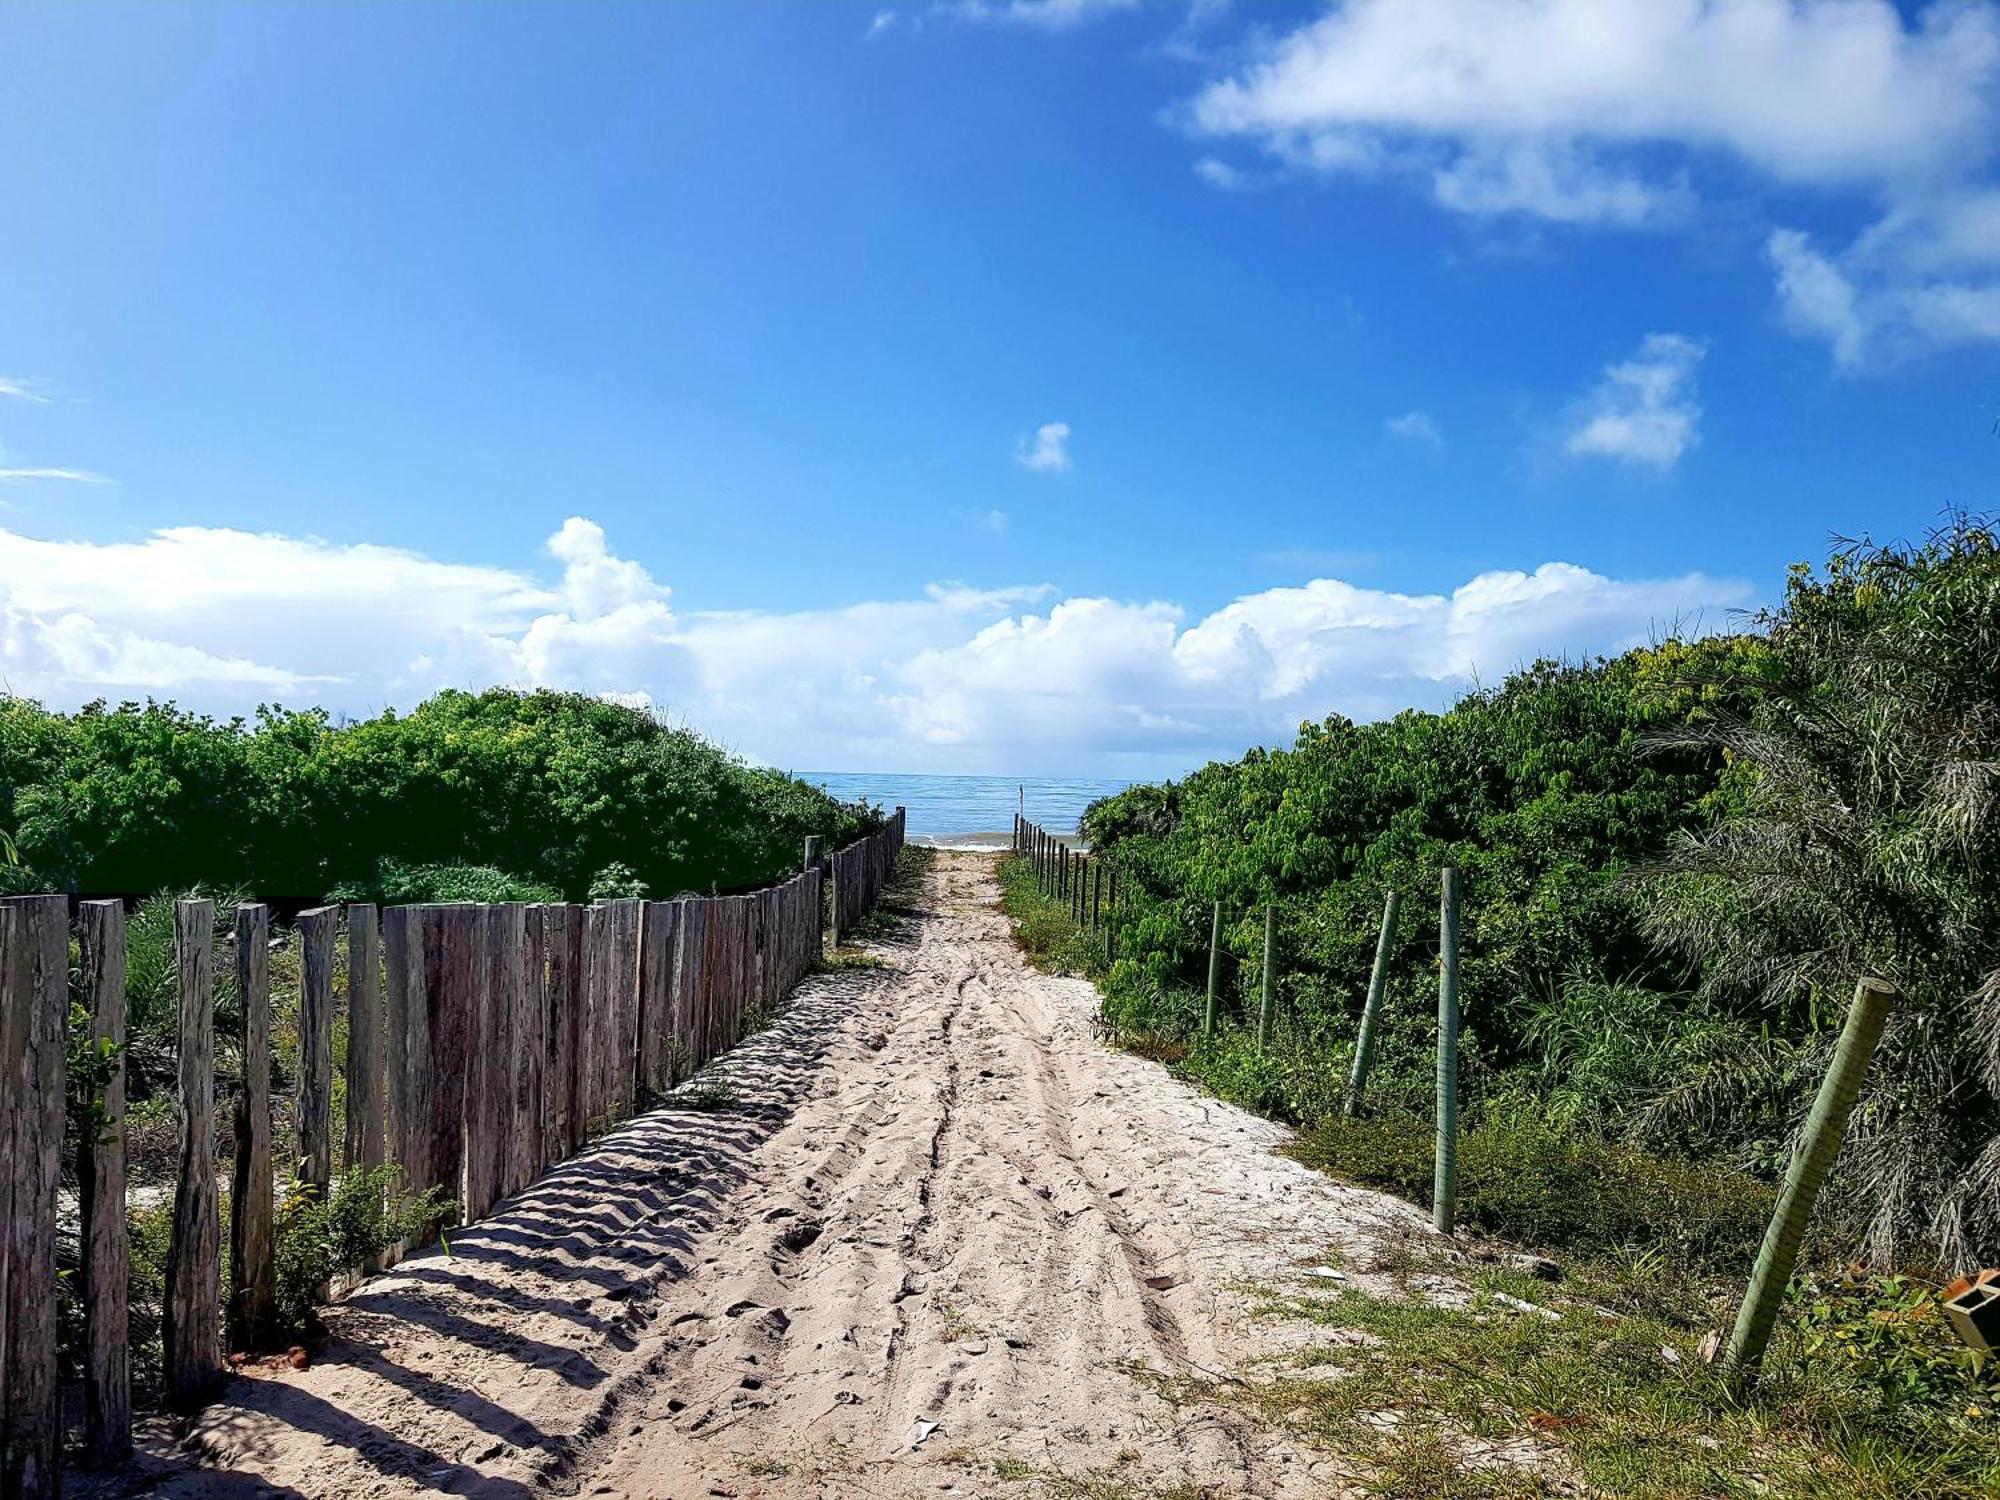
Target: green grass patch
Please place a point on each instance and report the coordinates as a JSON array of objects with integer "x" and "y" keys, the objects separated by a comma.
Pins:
[
  {"x": 1615, "y": 1394},
  {"x": 1526, "y": 1182}
]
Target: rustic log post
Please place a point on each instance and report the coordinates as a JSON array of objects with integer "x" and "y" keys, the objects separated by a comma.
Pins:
[
  {"x": 1444, "y": 1186},
  {"x": 191, "y": 1323},
  {"x": 531, "y": 1050},
  {"x": 402, "y": 996},
  {"x": 316, "y": 934},
  {"x": 659, "y": 924},
  {"x": 443, "y": 1028},
  {"x": 1214, "y": 969},
  {"x": 1371, "y": 1010},
  {"x": 107, "y": 1389},
  {"x": 1819, "y": 1144},
  {"x": 1265, "y": 1001},
  {"x": 563, "y": 1085},
  {"x": 253, "y": 1276},
  {"x": 34, "y": 1020},
  {"x": 365, "y": 1052}
]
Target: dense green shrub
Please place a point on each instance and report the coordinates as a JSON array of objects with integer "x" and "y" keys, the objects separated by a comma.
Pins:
[
  {"x": 320, "y": 1237},
  {"x": 550, "y": 788}
]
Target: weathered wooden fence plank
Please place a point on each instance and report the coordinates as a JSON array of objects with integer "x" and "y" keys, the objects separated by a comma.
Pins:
[
  {"x": 599, "y": 1021},
  {"x": 191, "y": 1322},
  {"x": 690, "y": 957},
  {"x": 107, "y": 1254},
  {"x": 252, "y": 1244},
  {"x": 658, "y": 924},
  {"x": 563, "y": 928},
  {"x": 34, "y": 1015},
  {"x": 531, "y": 1018},
  {"x": 450, "y": 934},
  {"x": 316, "y": 934},
  {"x": 626, "y": 919},
  {"x": 366, "y": 1063},
  {"x": 402, "y": 996},
  {"x": 495, "y": 966}
]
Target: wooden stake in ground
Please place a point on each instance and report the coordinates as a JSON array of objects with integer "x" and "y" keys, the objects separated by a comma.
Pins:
[
  {"x": 1214, "y": 969},
  {"x": 316, "y": 930},
  {"x": 34, "y": 1016},
  {"x": 1444, "y": 1186},
  {"x": 191, "y": 1318},
  {"x": 1264, "y": 1000},
  {"x": 1819, "y": 1144},
  {"x": 252, "y": 1263},
  {"x": 1371, "y": 1010},
  {"x": 107, "y": 1390}
]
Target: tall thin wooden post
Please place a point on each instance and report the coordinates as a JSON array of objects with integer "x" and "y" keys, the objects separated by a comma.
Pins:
[
  {"x": 1444, "y": 1186},
  {"x": 316, "y": 933},
  {"x": 252, "y": 1248},
  {"x": 1371, "y": 1010},
  {"x": 1214, "y": 969},
  {"x": 1264, "y": 1004},
  {"x": 34, "y": 1017},
  {"x": 365, "y": 1052},
  {"x": 1096, "y": 894},
  {"x": 1819, "y": 1144},
  {"x": 107, "y": 1390},
  {"x": 191, "y": 1323}
]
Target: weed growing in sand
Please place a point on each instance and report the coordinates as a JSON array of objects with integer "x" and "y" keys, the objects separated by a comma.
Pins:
[
  {"x": 844, "y": 958},
  {"x": 761, "y": 1467}
]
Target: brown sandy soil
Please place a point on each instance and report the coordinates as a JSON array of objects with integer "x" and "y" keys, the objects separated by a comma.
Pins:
[{"x": 924, "y": 1235}]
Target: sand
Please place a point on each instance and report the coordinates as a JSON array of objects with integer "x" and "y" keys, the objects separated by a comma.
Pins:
[{"x": 923, "y": 1231}]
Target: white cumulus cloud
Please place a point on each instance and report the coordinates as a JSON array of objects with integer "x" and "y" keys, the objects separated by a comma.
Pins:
[
  {"x": 955, "y": 677},
  {"x": 1047, "y": 452},
  {"x": 1643, "y": 411}
]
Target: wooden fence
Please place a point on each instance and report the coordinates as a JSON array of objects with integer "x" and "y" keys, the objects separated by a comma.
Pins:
[
  {"x": 1069, "y": 874},
  {"x": 485, "y": 1044},
  {"x": 860, "y": 871}
]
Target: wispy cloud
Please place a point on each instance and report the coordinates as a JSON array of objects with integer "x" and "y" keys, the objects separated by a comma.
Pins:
[
  {"x": 1048, "y": 15},
  {"x": 996, "y": 522},
  {"x": 1416, "y": 427},
  {"x": 66, "y": 476},
  {"x": 1047, "y": 452},
  {"x": 1643, "y": 411},
  {"x": 884, "y": 19},
  {"x": 25, "y": 390},
  {"x": 1216, "y": 172}
]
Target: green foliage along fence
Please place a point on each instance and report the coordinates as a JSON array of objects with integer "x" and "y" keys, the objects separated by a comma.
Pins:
[
  {"x": 485, "y": 1042},
  {"x": 544, "y": 788}
]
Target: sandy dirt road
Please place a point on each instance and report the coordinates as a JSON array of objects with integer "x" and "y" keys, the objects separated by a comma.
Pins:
[{"x": 924, "y": 1235}]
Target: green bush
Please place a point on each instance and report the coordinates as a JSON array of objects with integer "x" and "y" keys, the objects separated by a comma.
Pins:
[
  {"x": 1533, "y": 1185},
  {"x": 319, "y": 1238},
  {"x": 552, "y": 788},
  {"x": 398, "y": 884}
]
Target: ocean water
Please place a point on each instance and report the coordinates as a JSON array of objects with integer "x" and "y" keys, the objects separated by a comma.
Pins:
[{"x": 948, "y": 809}]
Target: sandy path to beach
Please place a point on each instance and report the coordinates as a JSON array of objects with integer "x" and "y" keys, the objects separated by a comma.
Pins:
[{"x": 924, "y": 1235}]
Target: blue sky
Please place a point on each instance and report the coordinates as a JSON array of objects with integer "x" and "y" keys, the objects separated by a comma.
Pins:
[{"x": 980, "y": 389}]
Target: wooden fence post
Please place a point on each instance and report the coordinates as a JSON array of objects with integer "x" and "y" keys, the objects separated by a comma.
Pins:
[
  {"x": 190, "y": 1329},
  {"x": 402, "y": 993},
  {"x": 562, "y": 1085},
  {"x": 1371, "y": 1010},
  {"x": 316, "y": 932},
  {"x": 107, "y": 1390},
  {"x": 365, "y": 1052},
  {"x": 1265, "y": 1001},
  {"x": 1214, "y": 969},
  {"x": 1444, "y": 1186},
  {"x": 252, "y": 1246},
  {"x": 531, "y": 1050},
  {"x": 34, "y": 1022},
  {"x": 1819, "y": 1144}
]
